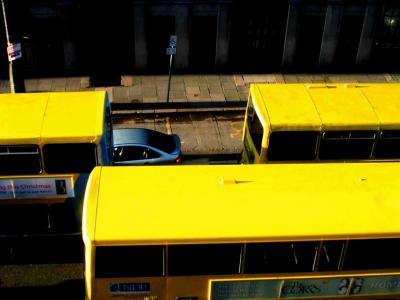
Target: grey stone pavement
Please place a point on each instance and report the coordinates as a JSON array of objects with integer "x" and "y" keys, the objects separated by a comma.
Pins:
[{"x": 199, "y": 92}]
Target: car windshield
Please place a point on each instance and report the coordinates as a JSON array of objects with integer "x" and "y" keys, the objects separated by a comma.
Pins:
[{"x": 161, "y": 141}]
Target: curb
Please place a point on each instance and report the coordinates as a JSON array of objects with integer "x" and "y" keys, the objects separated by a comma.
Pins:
[{"x": 180, "y": 107}]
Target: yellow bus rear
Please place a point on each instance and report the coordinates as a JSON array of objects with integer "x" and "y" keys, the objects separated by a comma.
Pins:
[
  {"x": 243, "y": 232},
  {"x": 322, "y": 122}
]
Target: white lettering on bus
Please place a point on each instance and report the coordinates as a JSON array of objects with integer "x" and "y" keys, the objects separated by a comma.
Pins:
[{"x": 394, "y": 283}]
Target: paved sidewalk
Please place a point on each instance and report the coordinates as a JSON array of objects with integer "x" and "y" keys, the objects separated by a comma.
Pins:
[{"x": 201, "y": 92}]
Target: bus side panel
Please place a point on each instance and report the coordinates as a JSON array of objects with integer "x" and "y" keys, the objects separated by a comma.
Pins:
[
  {"x": 188, "y": 287},
  {"x": 122, "y": 288},
  {"x": 199, "y": 287},
  {"x": 47, "y": 215}
]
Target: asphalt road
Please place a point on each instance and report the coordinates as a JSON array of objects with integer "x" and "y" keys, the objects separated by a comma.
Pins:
[{"x": 201, "y": 133}]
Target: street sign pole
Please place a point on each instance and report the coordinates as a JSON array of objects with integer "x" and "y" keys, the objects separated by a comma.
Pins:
[
  {"x": 169, "y": 76},
  {"x": 10, "y": 63},
  {"x": 171, "y": 51}
]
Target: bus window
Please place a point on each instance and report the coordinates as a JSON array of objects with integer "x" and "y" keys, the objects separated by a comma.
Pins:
[
  {"x": 372, "y": 254},
  {"x": 31, "y": 219},
  {"x": 330, "y": 255},
  {"x": 347, "y": 145},
  {"x": 69, "y": 158},
  {"x": 292, "y": 145},
  {"x": 256, "y": 131},
  {"x": 280, "y": 257},
  {"x": 129, "y": 261},
  {"x": 388, "y": 145},
  {"x": 19, "y": 160},
  {"x": 216, "y": 259}
]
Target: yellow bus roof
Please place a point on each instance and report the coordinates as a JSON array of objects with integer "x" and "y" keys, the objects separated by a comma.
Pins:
[
  {"x": 51, "y": 117},
  {"x": 21, "y": 118},
  {"x": 334, "y": 106},
  {"x": 385, "y": 100},
  {"x": 228, "y": 203},
  {"x": 342, "y": 108},
  {"x": 287, "y": 105}
]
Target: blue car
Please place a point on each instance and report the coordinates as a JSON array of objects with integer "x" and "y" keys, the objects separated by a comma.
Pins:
[{"x": 140, "y": 146}]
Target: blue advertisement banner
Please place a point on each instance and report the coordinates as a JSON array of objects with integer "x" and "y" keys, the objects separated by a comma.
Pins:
[{"x": 303, "y": 288}]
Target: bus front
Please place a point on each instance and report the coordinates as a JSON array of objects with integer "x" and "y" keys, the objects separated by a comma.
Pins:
[{"x": 281, "y": 124}]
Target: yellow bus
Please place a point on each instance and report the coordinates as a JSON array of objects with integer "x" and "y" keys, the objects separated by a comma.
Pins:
[
  {"x": 49, "y": 144},
  {"x": 324, "y": 122},
  {"x": 264, "y": 231}
]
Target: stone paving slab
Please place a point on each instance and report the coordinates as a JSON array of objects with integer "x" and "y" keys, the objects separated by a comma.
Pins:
[
  {"x": 392, "y": 77},
  {"x": 239, "y": 81},
  {"x": 30, "y": 85},
  {"x": 73, "y": 84},
  {"x": 213, "y": 88},
  {"x": 127, "y": 80},
  {"x": 122, "y": 94},
  {"x": 58, "y": 85},
  {"x": 45, "y": 84},
  {"x": 85, "y": 82},
  {"x": 217, "y": 97}
]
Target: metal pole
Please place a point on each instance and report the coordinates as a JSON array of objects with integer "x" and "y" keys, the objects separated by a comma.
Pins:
[
  {"x": 169, "y": 76},
  {"x": 10, "y": 65}
]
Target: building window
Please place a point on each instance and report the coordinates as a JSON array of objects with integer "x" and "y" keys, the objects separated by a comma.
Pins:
[
  {"x": 387, "y": 42},
  {"x": 389, "y": 33}
]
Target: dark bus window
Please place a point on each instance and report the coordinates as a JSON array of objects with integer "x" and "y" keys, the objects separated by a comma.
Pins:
[
  {"x": 330, "y": 253},
  {"x": 347, "y": 145},
  {"x": 24, "y": 219},
  {"x": 372, "y": 254},
  {"x": 6, "y": 254},
  {"x": 129, "y": 261},
  {"x": 217, "y": 259},
  {"x": 388, "y": 145},
  {"x": 280, "y": 257},
  {"x": 69, "y": 158},
  {"x": 19, "y": 160},
  {"x": 292, "y": 145},
  {"x": 256, "y": 129},
  {"x": 42, "y": 250}
]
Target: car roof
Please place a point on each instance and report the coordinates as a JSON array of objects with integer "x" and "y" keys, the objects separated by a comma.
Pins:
[{"x": 131, "y": 136}]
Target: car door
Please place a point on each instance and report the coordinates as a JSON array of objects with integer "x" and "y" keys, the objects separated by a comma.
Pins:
[{"x": 134, "y": 155}]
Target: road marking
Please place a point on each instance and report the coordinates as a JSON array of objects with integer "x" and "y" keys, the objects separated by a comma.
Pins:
[
  {"x": 236, "y": 127},
  {"x": 168, "y": 125}
]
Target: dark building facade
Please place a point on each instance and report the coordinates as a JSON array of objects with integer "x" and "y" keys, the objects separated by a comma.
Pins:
[{"x": 77, "y": 37}]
